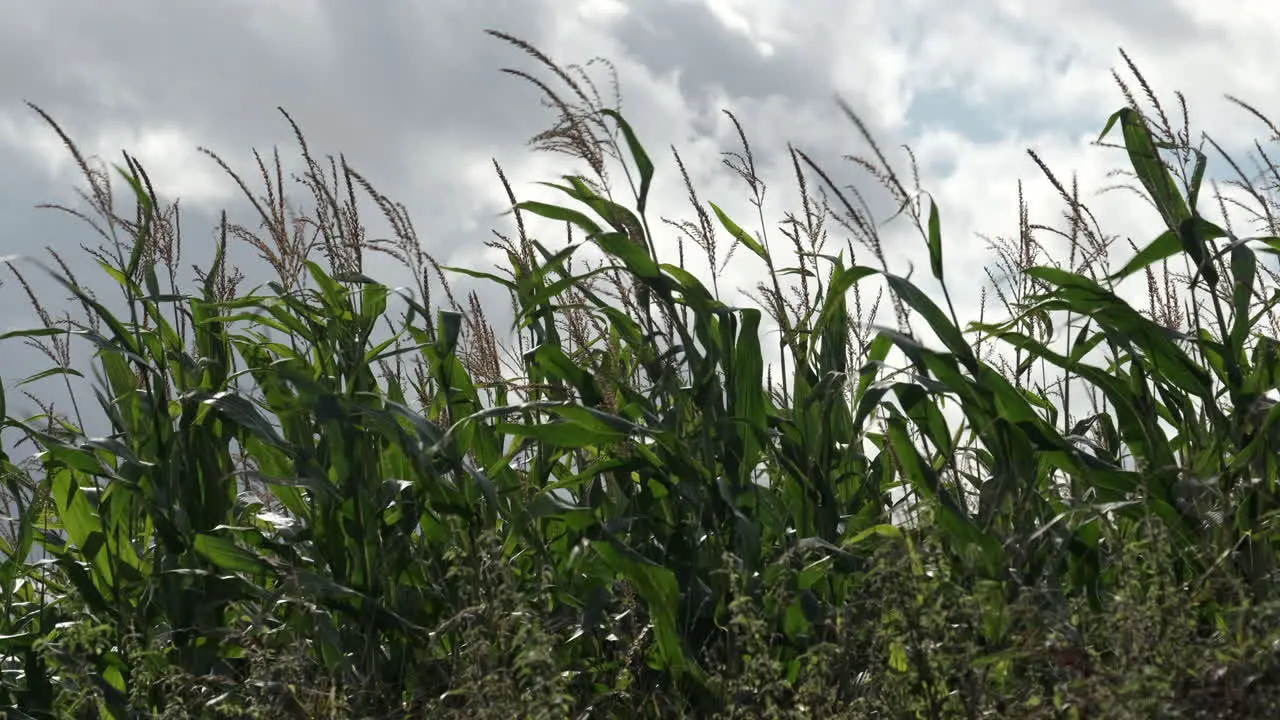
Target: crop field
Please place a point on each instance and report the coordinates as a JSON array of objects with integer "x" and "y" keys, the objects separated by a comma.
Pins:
[{"x": 327, "y": 497}]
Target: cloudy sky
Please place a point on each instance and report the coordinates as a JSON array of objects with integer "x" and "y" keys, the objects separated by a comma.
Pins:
[{"x": 411, "y": 94}]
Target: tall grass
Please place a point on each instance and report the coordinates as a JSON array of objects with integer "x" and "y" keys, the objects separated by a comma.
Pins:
[{"x": 323, "y": 496}]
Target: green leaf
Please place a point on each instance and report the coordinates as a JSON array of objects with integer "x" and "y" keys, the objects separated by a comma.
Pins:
[
  {"x": 1244, "y": 273},
  {"x": 555, "y": 212},
  {"x": 898, "y": 657},
  {"x": 242, "y": 412},
  {"x": 935, "y": 240},
  {"x": 947, "y": 332},
  {"x": 833, "y": 305},
  {"x": 1145, "y": 158},
  {"x": 619, "y": 218},
  {"x": 548, "y": 505},
  {"x": 739, "y": 234},
  {"x": 51, "y": 372},
  {"x": 83, "y": 525},
  {"x": 560, "y": 434},
  {"x": 373, "y": 303},
  {"x": 1084, "y": 296},
  {"x": 34, "y": 333},
  {"x": 1165, "y": 246},
  {"x": 226, "y": 554},
  {"x": 643, "y": 163},
  {"x": 1195, "y": 243},
  {"x": 635, "y": 257},
  {"x": 449, "y": 328},
  {"x": 657, "y": 586},
  {"x": 1197, "y": 178},
  {"x": 885, "y": 530},
  {"x": 481, "y": 275}
]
